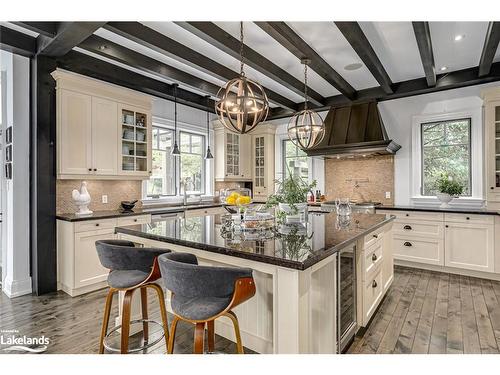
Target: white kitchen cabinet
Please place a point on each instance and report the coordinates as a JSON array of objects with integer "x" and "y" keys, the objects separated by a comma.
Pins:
[
  {"x": 469, "y": 246},
  {"x": 104, "y": 141},
  {"x": 420, "y": 250},
  {"x": 74, "y": 133},
  {"x": 232, "y": 155},
  {"x": 89, "y": 129},
  {"x": 263, "y": 162},
  {"x": 491, "y": 101},
  {"x": 79, "y": 270}
]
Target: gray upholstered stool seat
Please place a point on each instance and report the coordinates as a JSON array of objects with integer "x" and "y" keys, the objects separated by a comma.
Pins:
[
  {"x": 126, "y": 279},
  {"x": 199, "y": 308},
  {"x": 131, "y": 268},
  {"x": 201, "y": 294}
]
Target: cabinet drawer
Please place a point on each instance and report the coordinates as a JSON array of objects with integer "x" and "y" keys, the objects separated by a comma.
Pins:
[
  {"x": 373, "y": 237},
  {"x": 205, "y": 211},
  {"x": 410, "y": 228},
  {"x": 414, "y": 215},
  {"x": 124, "y": 221},
  {"x": 466, "y": 218},
  {"x": 92, "y": 225},
  {"x": 373, "y": 291},
  {"x": 429, "y": 251},
  {"x": 372, "y": 259}
]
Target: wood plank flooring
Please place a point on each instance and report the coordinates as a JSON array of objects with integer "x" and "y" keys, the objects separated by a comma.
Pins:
[
  {"x": 423, "y": 312},
  {"x": 432, "y": 312}
]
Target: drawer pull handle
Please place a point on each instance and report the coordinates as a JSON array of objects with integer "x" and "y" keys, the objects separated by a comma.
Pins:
[
  {"x": 491, "y": 187},
  {"x": 374, "y": 257},
  {"x": 135, "y": 220},
  {"x": 407, "y": 244},
  {"x": 407, "y": 227},
  {"x": 375, "y": 236},
  {"x": 467, "y": 218},
  {"x": 446, "y": 226},
  {"x": 407, "y": 215},
  {"x": 374, "y": 284},
  {"x": 97, "y": 225}
]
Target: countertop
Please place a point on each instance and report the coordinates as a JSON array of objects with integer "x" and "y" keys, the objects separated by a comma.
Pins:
[
  {"x": 137, "y": 211},
  {"x": 481, "y": 211},
  {"x": 299, "y": 251}
]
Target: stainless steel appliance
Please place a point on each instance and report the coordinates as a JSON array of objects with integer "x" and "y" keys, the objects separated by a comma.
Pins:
[{"x": 346, "y": 297}]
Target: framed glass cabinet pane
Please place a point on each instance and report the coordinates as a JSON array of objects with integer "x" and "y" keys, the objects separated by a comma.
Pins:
[
  {"x": 141, "y": 164},
  {"x": 128, "y": 132},
  {"x": 128, "y": 148},
  {"x": 497, "y": 146},
  {"x": 497, "y": 130},
  {"x": 497, "y": 113},
  {"x": 128, "y": 163},
  {"x": 141, "y": 149},
  {"x": 128, "y": 117},
  {"x": 140, "y": 135},
  {"x": 140, "y": 120}
]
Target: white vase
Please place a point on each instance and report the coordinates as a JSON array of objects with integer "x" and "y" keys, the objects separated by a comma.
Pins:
[
  {"x": 445, "y": 199},
  {"x": 294, "y": 214}
]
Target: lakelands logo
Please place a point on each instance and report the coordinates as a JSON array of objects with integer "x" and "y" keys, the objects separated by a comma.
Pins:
[{"x": 16, "y": 343}]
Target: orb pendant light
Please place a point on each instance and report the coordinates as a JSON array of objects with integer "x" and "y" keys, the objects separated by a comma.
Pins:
[
  {"x": 242, "y": 103},
  {"x": 306, "y": 128}
]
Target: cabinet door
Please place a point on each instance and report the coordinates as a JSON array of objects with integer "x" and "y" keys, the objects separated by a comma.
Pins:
[
  {"x": 492, "y": 140},
  {"x": 104, "y": 140},
  {"x": 220, "y": 154},
  {"x": 88, "y": 269},
  {"x": 232, "y": 156},
  {"x": 259, "y": 165},
  {"x": 469, "y": 246},
  {"x": 388, "y": 263},
  {"x": 74, "y": 133},
  {"x": 245, "y": 156}
]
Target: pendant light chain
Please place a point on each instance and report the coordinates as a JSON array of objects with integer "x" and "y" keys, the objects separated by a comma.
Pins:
[
  {"x": 242, "y": 73},
  {"x": 305, "y": 85},
  {"x": 175, "y": 109}
]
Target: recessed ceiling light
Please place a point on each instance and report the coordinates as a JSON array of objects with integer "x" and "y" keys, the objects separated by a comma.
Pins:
[
  {"x": 459, "y": 37},
  {"x": 353, "y": 66},
  {"x": 102, "y": 47},
  {"x": 443, "y": 68}
]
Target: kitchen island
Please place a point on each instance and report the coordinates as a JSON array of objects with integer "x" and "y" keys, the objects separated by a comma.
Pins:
[{"x": 295, "y": 309}]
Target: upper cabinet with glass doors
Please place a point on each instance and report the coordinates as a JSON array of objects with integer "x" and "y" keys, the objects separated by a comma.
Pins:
[
  {"x": 491, "y": 104},
  {"x": 103, "y": 131}
]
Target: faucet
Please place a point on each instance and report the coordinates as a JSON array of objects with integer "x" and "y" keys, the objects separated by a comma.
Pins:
[{"x": 183, "y": 185}]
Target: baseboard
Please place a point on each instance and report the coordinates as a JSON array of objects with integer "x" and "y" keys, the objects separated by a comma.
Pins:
[
  {"x": 16, "y": 288},
  {"x": 455, "y": 271}
]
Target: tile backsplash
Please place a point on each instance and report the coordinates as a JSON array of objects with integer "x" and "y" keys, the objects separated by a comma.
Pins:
[
  {"x": 376, "y": 176},
  {"x": 117, "y": 191}
]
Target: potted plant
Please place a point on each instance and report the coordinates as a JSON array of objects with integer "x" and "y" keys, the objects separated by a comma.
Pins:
[
  {"x": 448, "y": 189},
  {"x": 291, "y": 195}
]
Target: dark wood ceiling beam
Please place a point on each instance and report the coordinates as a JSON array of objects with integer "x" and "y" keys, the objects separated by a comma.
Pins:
[
  {"x": 150, "y": 38},
  {"x": 116, "y": 52},
  {"x": 490, "y": 48},
  {"x": 17, "y": 42},
  {"x": 424, "y": 42},
  {"x": 419, "y": 86},
  {"x": 289, "y": 39},
  {"x": 48, "y": 29},
  {"x": 219, "y": 38},
  {"x": 81, "y": 63},
  {"x": 69, "y": 35},
  {"x": 358, "y": 41}
]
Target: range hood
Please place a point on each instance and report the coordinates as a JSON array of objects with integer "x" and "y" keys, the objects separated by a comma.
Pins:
[{"x": 355, "y": 130}]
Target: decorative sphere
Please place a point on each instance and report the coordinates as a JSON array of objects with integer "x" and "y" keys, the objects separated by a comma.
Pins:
[
  {"x": 242, "y": 105},
  {"x": 306, "y": 129}
]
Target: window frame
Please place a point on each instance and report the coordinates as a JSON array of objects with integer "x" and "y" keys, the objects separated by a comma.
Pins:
[
  {"x": 469, "y": 119},
  {"x": 203, "y": 164},
  {"x": 284, "y": 157}
]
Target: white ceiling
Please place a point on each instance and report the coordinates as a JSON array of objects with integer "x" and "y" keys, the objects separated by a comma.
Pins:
[{"x": 393, "y": 42}]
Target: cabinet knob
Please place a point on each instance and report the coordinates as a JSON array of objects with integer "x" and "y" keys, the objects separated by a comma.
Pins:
[
  {"x": 491, "y": 187},
  {"x": 408, "y": 244},
  {"x": 446, "y": 226},
  {"x": 407, "y": 215},
  {"x": 90, "y": 169},
  {"x": 374, "y": 257},
  {"x": 374, "y": 284},
  {"x": 95, "y": 169},
  {"x": 375, "y": 236},
  {"x": 407, "y": 227},
  {"x": 135, "y": 220},
  {"x": 467, "y": 218},
  {"x": 97, "y": 224}
]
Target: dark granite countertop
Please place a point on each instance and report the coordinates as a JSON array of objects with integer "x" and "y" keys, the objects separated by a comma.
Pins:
[
  {"x": 322, "y": 238},
  {"x": 109, "y": 214},
  {"x": 456, "y": 210}
]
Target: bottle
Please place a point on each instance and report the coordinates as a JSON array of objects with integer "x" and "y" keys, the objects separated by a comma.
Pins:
[{"x": 318, "y": 195}]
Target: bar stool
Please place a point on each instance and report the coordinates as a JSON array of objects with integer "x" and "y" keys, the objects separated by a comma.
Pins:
[
  {"x": 131, "y": 268},
  {"x": 201, "y": 294}
]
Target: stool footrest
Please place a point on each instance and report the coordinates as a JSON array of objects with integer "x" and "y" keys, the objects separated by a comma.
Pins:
[{"x": 148, "y": 345}]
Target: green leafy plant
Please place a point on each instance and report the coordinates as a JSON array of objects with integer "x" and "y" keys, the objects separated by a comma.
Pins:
[
  {"x": 447, "y": 185},
  {"x": 290, "y": 190}
]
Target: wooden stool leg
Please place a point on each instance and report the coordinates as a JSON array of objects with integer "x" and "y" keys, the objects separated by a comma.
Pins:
[
  {"x": 126, "y": 321},
  {"x": 105, "y": 321},
  {"x": 239, "y": 346},
  {"x": 144, "y": 308},
  {"x": 163, "y": 311},
  {"x": 199, "y": 338},
  {"x": 211, "y": 335},
  {"x": 171, "y": 339}
]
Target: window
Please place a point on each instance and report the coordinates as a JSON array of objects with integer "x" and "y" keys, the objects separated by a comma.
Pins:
[
  {"x": 167, "y": 170},
  {"x": 192, "y": 164},
  {"x": 294, "y": 160},
  {"x": 446, "y": 148}
]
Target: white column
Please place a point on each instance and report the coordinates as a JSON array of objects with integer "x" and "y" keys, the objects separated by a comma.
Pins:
[{"x": 15, "y": 192}]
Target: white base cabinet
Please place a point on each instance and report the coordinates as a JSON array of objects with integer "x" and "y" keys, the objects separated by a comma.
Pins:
[{"x": 79, "y": 270}]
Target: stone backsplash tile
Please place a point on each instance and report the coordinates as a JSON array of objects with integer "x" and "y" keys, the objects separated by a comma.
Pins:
[
  {"x": 117, "y": 191},
  {"x": 340, "y": 176}
]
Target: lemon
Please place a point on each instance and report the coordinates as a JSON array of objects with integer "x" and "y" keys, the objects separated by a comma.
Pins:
[
  {"x": 234, "y": 195},
  {"x": 231, "y": 200}
]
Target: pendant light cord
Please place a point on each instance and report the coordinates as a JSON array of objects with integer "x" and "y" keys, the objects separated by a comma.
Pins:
[
  {"x": 175, "y": 111},
  {"x": 208, "y": 123},
  {"x": 242, "y": 73},
  {"x": 305, "y": 85}
]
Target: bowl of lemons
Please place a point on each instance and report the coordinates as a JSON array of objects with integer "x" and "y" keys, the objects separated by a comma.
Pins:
[{"x": 237, "y": 197}]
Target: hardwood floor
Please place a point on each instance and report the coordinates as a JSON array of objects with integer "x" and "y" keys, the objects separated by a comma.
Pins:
[
  {"x": 432, "y": 312},
  {"x": 423, "y": 312},
  {"x": 73, "y": 324}
]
